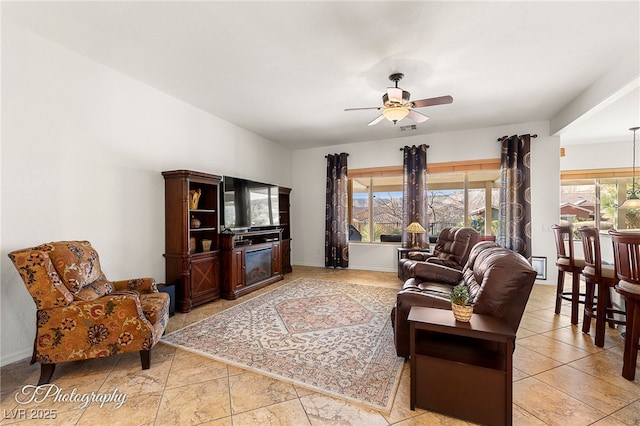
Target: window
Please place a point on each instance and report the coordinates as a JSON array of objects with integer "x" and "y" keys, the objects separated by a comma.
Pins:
[
  {"x": 463, "y": 199},
  {"x": 590, "y": 197},
  {"x": 376, "y": 212},
  {"x": 459, "y": 194}
]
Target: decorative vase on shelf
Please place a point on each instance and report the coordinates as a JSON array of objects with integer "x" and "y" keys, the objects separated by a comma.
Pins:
[
  {"x": 195, "y": 223},
  {"x": 206, "y": 245},
  {"x": 194, "y": 197}
]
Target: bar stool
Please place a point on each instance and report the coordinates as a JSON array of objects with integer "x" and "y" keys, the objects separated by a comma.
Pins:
[
  {"x": 567, "y": 263},
  {"x": 604, "y": 277},
  {"x": 626, "y": 256}
]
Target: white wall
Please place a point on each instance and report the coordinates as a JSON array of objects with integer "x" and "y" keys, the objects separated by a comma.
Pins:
[
  {"x": 598, "y": 156},
  {"x": 83, "y": 147},
  {"x": 309, "y": 187}
]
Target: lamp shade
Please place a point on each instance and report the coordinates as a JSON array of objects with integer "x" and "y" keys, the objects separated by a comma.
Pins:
[
  {"x": 415, "y": 228},
  {"x": 395, "y": 113},
  {"x": 630, "y": 203}
]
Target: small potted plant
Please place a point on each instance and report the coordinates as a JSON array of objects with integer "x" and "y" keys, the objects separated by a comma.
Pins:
[{"x": 460, "y": 305}]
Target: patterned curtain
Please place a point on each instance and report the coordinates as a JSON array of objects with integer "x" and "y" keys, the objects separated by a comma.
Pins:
[
  {"x": 414, "y": 199},
  {"x": 336, "y": 234},
  {"x": 514, "y": 224}
]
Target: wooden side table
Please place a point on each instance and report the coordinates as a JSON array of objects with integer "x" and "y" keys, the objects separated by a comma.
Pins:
[{"x": 461, "y": 369}]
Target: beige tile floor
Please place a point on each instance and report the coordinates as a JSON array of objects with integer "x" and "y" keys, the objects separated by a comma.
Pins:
[{"x": 560, "y": 377}]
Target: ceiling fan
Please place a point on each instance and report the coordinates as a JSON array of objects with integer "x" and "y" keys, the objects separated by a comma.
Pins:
[{"x": 396, "y": 104}]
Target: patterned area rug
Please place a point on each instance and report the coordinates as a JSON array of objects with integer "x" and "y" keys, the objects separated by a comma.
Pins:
[{"x": 334, "y": 338}]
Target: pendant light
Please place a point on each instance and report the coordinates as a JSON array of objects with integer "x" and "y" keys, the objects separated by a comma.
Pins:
[{"x": 633, "y": 200}]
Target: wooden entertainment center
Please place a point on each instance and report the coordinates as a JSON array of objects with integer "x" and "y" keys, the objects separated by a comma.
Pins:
[{"x": 204, "y": 261}]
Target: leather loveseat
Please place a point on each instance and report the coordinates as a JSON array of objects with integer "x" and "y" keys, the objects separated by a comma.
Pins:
[
  {"x": 451, "y": 250},
  {"x": 498, "y": 279}
]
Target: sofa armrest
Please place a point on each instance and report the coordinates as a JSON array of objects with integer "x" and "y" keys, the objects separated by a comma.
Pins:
[
  {"x": 445, "y": 262},
  {"x": 141, "y": 285},
  {"x": 419, "y": 255},
  {"x": 416, "y": 293},
  {"x": 435, "y": 272}
]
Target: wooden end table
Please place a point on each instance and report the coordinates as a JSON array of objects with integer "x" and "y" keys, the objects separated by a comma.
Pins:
[{"x": 462, "y": 369}]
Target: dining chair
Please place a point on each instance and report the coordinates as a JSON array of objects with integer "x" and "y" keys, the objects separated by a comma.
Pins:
[
  {"x": 626, "y": 256},
  {"x": 600, "y": 278},
  {"x": 567, "y": 263}
]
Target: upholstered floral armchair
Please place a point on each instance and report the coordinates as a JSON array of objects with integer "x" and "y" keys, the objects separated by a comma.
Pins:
[{"x": 82, "y": 315}]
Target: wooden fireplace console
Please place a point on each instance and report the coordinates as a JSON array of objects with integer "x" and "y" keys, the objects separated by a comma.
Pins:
[{"x": 250, "y": 260}]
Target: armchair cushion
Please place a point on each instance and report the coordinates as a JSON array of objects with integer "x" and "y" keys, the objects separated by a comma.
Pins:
[
  {"x": 78, "y": 266},
  {"x": 110, "y": 325}
]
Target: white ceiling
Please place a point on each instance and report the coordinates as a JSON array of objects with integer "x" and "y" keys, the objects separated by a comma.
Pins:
[{"x": 286, "y": 70}]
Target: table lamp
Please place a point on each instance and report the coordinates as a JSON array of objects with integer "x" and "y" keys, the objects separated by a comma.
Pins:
[{"x": 414, "y": 228}]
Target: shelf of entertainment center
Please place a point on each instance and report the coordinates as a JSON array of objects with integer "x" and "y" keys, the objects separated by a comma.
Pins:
[
  {"x": 256, "y": 237},
  {"x": 192, "y": 248}
]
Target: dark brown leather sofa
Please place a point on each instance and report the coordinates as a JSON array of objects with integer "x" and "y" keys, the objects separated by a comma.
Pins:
[
  {"x": 451, "y": 250},
  {"x": 498, "y": 279}
]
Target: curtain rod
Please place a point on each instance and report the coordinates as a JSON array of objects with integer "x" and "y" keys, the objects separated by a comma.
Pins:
[
  {"x": 504, "y": 137},
  {"x": 402, "y": 149},
  {"x": 327, "y": 156}
]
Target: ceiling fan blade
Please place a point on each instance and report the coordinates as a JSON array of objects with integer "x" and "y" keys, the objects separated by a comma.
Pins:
[
  {"x": 358, "y": 109},
  {"x": 376, "y": 120},
  {"x": 432, "y": 101},
  {"x": 417, "y": 117}
]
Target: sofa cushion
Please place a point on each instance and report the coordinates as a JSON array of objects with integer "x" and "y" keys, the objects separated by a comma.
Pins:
[
  {"x": 502, "y": 274},
  {"x": 78, "y": 266},
  {"x": 438, "y": 292},
  {"x": 453, "y": 245},
  {"x": 473, "y": 279}
]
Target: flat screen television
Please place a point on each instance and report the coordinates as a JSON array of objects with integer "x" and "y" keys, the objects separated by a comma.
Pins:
[{"x": 249, "y": 205}]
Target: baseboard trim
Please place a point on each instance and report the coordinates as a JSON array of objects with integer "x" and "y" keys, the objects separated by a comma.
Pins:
[
  {"x": 354, "y": 268},
  {"x": 16, "y": 356}
]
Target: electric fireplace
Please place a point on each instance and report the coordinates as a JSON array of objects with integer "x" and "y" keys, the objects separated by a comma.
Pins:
[{"x": 257, "y": 265}]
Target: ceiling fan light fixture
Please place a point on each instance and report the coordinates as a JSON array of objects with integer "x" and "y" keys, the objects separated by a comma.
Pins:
[
  {"x": 395, "y": 114},
  {"x": 396, "y": 104}
]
